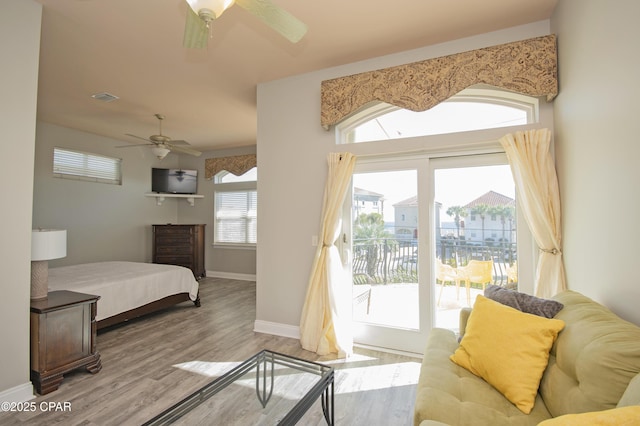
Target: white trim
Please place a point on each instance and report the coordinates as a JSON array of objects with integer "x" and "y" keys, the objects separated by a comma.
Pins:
[
  {"x": 479, "y": 94},
  {"x": 231, "y": 275},
  {"x": 277, "y": 329},
  {"x": 20, "y": 393},
  {"x": 389, "y": 351}
]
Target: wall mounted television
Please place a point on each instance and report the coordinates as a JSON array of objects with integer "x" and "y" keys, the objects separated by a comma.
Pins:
[{"x": 174, "y": 181}]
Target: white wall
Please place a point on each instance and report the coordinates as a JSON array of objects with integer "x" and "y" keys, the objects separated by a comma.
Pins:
[
  {"x": 597, "y": 148},
  {"x": 292, "y": 152},
  {"x": 19, "y": 50}
]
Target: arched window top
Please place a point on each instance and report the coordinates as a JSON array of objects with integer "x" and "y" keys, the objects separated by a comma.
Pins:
[
  {"x": 474, "y": 108},
  {"x": 224, "y": 176}
]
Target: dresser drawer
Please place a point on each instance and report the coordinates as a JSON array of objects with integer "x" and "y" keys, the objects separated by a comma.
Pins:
[
  {"x": 173, "y": 250},
  {"x": 174, "y": 239},
  {"x": 181, "y": 245},
  {"x": 173, "y": 230}
]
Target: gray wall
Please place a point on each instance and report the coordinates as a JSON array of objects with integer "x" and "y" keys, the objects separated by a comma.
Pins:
[
  {"x": 103, "y": 222},
  {"x": 113, "y": 222},
  {"x": 597, "y": 148},
  {"x": 222, "y": 262},
  {"x": 292, "y": 153},
  {"x": 19, "y": 50}
]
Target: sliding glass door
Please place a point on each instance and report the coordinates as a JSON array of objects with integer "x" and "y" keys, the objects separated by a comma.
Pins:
[
  {"x": 427, "y": 236},
  {"x": 389, "y": 286}
]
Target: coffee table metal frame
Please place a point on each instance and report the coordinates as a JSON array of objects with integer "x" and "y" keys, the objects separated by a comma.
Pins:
[{"x": 264, "y": 363}]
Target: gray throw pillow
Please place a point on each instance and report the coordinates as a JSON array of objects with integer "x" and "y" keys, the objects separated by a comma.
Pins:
[{"x": 523, "y": 302}]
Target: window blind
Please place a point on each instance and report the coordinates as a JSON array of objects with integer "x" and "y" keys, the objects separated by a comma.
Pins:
[
  {"x": 236, "y": 217},
  {"x": 85, "y": 166}
]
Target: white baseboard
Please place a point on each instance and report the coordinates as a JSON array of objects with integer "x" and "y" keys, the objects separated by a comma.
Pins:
[
  {"x": 277, "y": 329},
  {"x": 20, "y": 393},
  {"x": 231, "y": 275}
]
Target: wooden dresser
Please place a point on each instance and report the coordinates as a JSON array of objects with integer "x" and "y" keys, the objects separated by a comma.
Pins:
[
  {"x": 63, "y": 337},
  {"x": 181, "y": 245}
]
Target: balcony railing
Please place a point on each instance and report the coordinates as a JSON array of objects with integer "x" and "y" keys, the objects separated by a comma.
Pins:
[{"x": 385, "y": 261}]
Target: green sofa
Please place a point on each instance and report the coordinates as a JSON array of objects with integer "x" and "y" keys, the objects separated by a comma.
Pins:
[{"x": 594, "y": 365}]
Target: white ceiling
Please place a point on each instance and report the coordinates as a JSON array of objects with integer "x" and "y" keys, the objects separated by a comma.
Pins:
[{"x": 133, "y": 49}]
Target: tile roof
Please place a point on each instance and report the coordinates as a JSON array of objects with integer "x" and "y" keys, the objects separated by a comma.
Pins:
[{"x": 491, "y": 199}]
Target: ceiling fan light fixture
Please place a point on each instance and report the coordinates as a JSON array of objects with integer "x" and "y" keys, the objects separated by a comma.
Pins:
[
  {"x": 160, "y": 151},
  {"x": 209, "y": 10}
]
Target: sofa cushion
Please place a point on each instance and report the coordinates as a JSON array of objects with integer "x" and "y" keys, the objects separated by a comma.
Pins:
[
  {"x": 631, "y": 395},
  {"x": 452, "y": 395},
  {"x": 624, "y": 416},
  {"x": 507, "y": 348},
  {"x": 593, "y": 360},
  {"x": 523, "y": 302}
]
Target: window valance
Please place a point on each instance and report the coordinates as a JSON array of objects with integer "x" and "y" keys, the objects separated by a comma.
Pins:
[
  {"x": 528, "y": 66},
  {"x": 238, "y": 165}
]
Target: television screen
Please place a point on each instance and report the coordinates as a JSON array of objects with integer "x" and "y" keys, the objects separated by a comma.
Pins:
[{"x": 174, "y": 181}]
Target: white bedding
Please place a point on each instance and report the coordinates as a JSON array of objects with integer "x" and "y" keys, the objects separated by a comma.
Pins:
[{"x": 123, "y": 285}]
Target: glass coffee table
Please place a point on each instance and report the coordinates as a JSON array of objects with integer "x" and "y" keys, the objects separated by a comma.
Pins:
[{"x": 267, "y": 389}]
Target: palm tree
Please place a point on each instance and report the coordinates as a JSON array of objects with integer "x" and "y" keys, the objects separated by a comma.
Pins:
[
  {"x": 481, "y": 210},
  {"x": 505, "y": 213},
  {"x": 369, "y": 231},
  {"x": 457, "y": 212}
]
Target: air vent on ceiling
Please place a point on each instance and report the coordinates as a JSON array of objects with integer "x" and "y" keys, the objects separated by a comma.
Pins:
[{"x": 104, "y": 97}]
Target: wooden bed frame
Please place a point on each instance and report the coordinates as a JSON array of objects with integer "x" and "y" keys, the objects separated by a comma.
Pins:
[{"x": 147, "y": 309}]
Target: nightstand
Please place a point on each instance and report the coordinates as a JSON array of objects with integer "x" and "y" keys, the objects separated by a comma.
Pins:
[{"x": 63, "y": 337}]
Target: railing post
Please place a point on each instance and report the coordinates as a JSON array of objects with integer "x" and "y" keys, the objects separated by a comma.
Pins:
[{"x": 384, "y": 262}]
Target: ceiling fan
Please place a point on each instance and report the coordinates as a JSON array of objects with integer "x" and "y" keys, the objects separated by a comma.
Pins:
[
  {"x": 201, "y": 13},
  {"x": 161, "y": 144}
]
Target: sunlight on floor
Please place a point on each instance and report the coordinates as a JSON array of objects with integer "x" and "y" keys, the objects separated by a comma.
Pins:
[
  {"x": 359, "y": 379},
  {"x": 205, "y": 368}
]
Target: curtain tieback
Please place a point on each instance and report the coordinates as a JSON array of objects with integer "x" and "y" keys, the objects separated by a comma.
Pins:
[{"x": 551, "y": 251}]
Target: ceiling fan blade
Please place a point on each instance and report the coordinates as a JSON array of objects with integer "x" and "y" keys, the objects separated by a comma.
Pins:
[
  {"x": 196, "y": 32},
  {"x": 184, "y": 150},
  {"x": 131, "y": 146},
  {"x": 137, "y": 137},
  {"x": 279, "y": 19},
  {"x": 179, "y": 142}
]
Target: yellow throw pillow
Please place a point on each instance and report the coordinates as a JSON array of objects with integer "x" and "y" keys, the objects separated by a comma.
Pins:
[
  {"x": 623, "y": 416},
  {"x": 507, "y": 348}
]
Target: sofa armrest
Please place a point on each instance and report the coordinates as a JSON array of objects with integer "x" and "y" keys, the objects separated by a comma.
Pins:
[{"x": 464, "y": 317}]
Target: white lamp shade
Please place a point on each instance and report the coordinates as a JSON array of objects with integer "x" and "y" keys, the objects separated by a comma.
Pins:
[
  {"x": 160, "y": 151},
  {"x": 215, "y": 6},
  {"x": 47, "y": 244}
]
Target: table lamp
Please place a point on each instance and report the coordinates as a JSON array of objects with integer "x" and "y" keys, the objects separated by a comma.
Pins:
[{"x": 46, "y": 244}]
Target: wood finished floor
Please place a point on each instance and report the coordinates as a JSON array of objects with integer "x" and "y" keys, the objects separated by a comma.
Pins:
[{"x": 140, "y": 377}]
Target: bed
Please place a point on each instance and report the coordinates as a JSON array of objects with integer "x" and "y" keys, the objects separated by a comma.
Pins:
[{"x": 127, "y": 289}]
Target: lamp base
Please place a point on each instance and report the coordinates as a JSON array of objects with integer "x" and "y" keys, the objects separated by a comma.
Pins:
[{"x": 39, "y": 279}]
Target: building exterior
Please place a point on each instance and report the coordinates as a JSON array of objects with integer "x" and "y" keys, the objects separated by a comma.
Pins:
[
  {"x": 365, "y": 201},
  {"x": 490, "y": 217},
  {"x": 406, "y": 219}
]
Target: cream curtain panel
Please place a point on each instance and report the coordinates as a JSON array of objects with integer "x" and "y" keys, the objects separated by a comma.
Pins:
[
  {"x": 539, "y": 199},
  {"x": 325, "y": 325}
]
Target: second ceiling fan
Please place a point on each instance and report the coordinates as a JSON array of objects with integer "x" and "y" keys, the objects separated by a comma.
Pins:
[
  {"x": 201, "y": 13},
  {"x": 161, "y": 144}
]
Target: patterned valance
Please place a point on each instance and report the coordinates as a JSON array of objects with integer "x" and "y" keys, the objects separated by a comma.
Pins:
[
  {"x": 238, "y": 165},
  {"x": 528, "y": 67}
]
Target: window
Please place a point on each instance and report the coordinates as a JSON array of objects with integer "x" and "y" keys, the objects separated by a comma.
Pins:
[
  {"x": 236, "y": 205},
  {"x": 482, "y": 108},
  {"x": 79, "y": 165}
]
